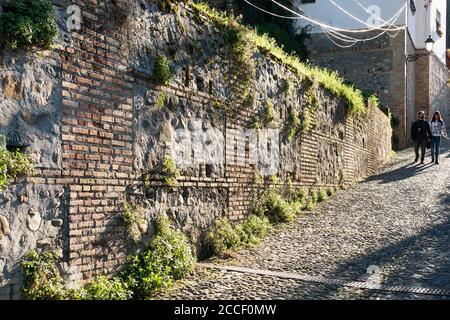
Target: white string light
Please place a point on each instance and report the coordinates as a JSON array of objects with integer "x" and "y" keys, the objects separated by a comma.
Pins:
[
  {"x": 333, "y": 32},
  {"x": 345, "y": 38},
  {"x": 367, "y": 11},
  {"x": 367, "y": 24},
  {"x": 329, "y": 27}
]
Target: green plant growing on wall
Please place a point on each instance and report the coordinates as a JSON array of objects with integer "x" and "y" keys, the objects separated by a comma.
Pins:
[
  {"x": 250, "y": 100},
  {"x": 294, "y": 124},
  {"x": 162, "y": 74},
  {"x": 322, "y": 196},
  {"x": 27, "y": 23},
  {"x": 307, "y": 122},
  {"x": 302, "y": 195},
  {"x": 257, "y": 177},
  {"x": 135, "y": 221},
  {"x": 146, "y": 180},
  {"x": 314, "y": 195},
  {"x": 102, "y": 288},
  {"x": 160, "y": 100},
  {"x": 273, "y": 179},
  {"x": 288, "y": 87},
  {"x": 224, "y": 236},
  {"x": 169, "y": 5},
  {"x": 243, "y": 68},
  {"x": 330, "y": 192},
  {"x": 12, "y": 164},
  {"x": 329, "y": 80},
  {"x": 273, "y": 206},
  {"x": 170, "y": 172},
  {"x": 373, "y": 99},
  {"x": 268, "y": 112},
  {"x": 312, "y": 103},
  {"x": 43, "y": 281},
  {"x": 168, "y": 258}
]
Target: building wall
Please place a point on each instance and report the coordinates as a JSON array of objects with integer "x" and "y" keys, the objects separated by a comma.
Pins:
[
  {"x": 432, "y": 89},
  {"x": 440, "y": 45},
  {"x": 423, "y": 24},
  {"x": 422, "y": 84},
  {"x": 411, "y": 71},
  {"x": 112, "y": 132},
  {"x": 448, "y": 24},
  {"x": 439, "y": 88}
]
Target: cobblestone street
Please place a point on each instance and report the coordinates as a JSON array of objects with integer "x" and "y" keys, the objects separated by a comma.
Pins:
[{"x": 397, "y": 220}]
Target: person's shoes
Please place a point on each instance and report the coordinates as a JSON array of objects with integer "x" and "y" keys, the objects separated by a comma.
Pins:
[
  {"x": 417, "y": 159},
  {"x": 421, "y": 162},
  {"x": 432, "y": 160},
  {"x": 437, "y": 162}
]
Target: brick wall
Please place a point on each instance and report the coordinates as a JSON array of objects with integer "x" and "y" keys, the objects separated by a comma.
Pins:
[
  {"x": 411, "y": 70},
  {"x": 439, "y": 88}
]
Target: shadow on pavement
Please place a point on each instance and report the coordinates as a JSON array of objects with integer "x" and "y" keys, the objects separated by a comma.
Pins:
[
  {"x": 402, "y": 173},
  {"x": 411, "y": 169},
  {"x": 419, "y": 261},
  {"x": 422, "y": 260}
]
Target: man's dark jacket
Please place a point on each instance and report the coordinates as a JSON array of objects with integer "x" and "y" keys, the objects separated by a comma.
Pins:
[{"x": 420, "y": 130}]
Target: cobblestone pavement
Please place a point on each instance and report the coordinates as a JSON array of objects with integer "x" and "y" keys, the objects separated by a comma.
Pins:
[{"x": 397, "y": 220}]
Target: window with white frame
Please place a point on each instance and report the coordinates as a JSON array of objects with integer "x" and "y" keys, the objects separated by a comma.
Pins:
[{"x": 439, "y": 23}]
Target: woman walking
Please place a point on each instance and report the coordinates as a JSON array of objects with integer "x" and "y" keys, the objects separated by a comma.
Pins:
[{"x": 438, "y": 130}]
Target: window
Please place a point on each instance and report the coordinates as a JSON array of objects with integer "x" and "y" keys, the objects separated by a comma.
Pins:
[
  {"x": 412, "y": 6},
  {"x": 439, "y": 24}
]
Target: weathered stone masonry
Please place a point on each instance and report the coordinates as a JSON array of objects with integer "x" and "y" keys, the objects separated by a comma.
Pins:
[
  {"x": 376, "y": 66},
  {"x": 100, "y": 130}
]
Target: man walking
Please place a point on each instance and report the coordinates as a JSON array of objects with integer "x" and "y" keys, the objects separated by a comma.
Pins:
[{"x": 420, "y": 133}]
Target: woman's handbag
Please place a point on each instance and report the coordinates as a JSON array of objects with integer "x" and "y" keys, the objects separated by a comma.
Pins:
[{"x": 428, "y": 145}]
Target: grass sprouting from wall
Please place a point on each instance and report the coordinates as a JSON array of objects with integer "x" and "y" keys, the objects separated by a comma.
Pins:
[{"x": 329, "y": 80}]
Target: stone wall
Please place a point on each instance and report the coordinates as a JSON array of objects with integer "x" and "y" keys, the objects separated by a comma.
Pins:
[
  {"x": 95, "y": 127},
  {"x": 375, "y": 66}
]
